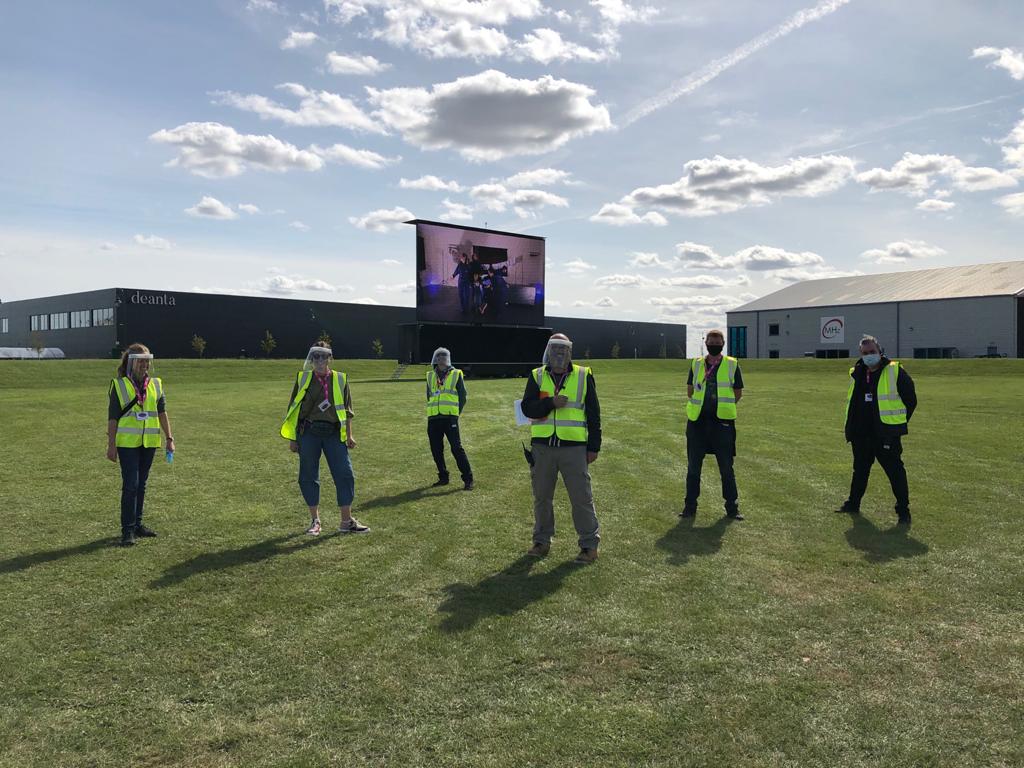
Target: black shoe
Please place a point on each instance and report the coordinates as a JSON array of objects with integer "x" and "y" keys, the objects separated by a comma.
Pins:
[
  {"x": 848, "y": 508},
  {"x": 903, "y": 519},
  {"x": 468, "y": 486},
  {"x": 128, "y": 539},
  {"x": 142, "y": 532},
  {"x": 440, "y": 481},
  {"x": 734, "y": 514},
  {"x": 688, "y": 512}
]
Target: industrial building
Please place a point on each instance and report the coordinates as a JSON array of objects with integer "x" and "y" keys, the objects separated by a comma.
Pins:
[
  {"x": 98, "y": 324},
  {"x": 968, "y": 311}
]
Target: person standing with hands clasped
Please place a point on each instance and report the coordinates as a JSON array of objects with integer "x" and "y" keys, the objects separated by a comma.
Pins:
[
  {"x": 561, "y": 402},
  {"x": 879, "y": 403},
  {"x": 446, "y": 397},
  {"x": 319, "y": 421},
  {"x": 136, "y": 413},
  {"x": 713, "y": 388}
]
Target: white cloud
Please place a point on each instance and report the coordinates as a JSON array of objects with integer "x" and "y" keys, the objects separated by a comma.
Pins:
[
  {"x": 1012, "y": 204},
  {"x": 606, "y": 301},
  {"x": 698, "y": 256},
  {"x": 108, "y": 246},
  {"x": 299, "y": 226},
  {"x": 497, "y": 197},
  {"x": 213, "y": 150},
  {"x": 755, "y": 258},
  {"x": 704, "y": 282},
  {"x": 430, "y": 183},
  {"x": 406, "y": 287},
  {"x": 316, "y": 109},
  {"x": 1013, "y": 147},
  {"x": 720, "y": 185},
  {"x": 456, "y": 211},
  {"x": 365, "y": 300},
  {"x": 298, "y": 40},
  {"x": 341, "y": 64},
  {"x": 901, "y": 251},
  {"x": 490, "y": 115},
  {"x": 579, "y": 303},
  {"x": 710, "y": 71},
  {"x": 578, "y": 266},
  {"x": 711, "y": 138},
  {"x": 546, "y": 45},
  {"x": 211, "y": 208},
  {"x": 532, "y": 199},
  {"x": 619, "y": 12},
  {"x": 249, "y": 208},
  {"x": 360, "y": 158},
  {"x": 798, "y": 274},
  {"x": 619, "y": 215},
  {"x": 645, "y": 259},
  {"x": 541, "y": 177},
  {"x": 681, "y": 305},
  {"x": 621, "y": 281},
  {"x": 1004, "y": 58},
  {"x": 764, "y": 258},
  {"x": 152, "y": 241},
  {"x": 935, "y": 205},
  {"x": 263, "y": 5},
  {"x": 914, "y": 174},
  {"x": 289, "y": 284},
  {"x": 382, "y": 220},
  {"x": 391, "y": 262}
]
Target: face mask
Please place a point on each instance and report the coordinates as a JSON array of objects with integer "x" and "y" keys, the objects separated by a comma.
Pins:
[
  {"x": 714, "y": 349},
  {"x": 871, "y": 360}
]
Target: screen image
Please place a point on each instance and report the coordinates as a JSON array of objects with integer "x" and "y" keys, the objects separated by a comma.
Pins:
[{"x": 467, "y": 275}]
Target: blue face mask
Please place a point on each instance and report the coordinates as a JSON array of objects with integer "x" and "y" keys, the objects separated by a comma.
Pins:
[{"x": 871, "y": 360}]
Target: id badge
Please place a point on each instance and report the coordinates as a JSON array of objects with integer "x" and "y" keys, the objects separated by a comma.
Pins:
[
  {"x": 324, "y": 405},
  {"x": 699, "y": 387},
  {"x": 868, "y": 397},
  {"x": 142, "y": 415}
]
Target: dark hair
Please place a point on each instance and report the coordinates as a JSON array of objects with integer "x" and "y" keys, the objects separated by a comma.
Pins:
[{"x": 133, "y": 349}]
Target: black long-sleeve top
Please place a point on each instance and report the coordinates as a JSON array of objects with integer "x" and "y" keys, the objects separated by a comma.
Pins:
[
  {"x": 535, "y": 407},
  {"x": 862, "y": 419}
]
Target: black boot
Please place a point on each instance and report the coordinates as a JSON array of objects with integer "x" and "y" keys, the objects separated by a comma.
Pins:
[
  {"x": 142, "y": 532},
  {"x": 128, "y": 538},
  {"x": 441, "y": 480}
]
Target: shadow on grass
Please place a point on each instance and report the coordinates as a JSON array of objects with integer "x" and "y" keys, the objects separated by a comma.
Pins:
[
  {"x": 414, "y": 495},
  {"x": 232, "y": 558},
  {"x": 500, "y": 594},
  {"x": 881, "y": 546},
  {"x": 22, "y": 562},
  {"x": 684, "y": 541}
]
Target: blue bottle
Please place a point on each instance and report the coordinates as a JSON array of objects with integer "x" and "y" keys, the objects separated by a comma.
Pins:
[{"x": 170, "y": 457}]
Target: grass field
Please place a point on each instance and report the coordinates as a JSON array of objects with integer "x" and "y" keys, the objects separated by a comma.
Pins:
[{"x": 796, "y": 638}]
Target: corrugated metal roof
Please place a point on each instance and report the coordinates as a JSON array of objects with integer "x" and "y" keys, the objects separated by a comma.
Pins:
[{"x": 1001, "y": 279}]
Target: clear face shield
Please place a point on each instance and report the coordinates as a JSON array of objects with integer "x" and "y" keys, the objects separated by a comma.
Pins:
[
  {"x": 318, "y": 360},
  {"x": 558, "y": 354},
  {"x": 441, "y": 358},
  {"x": 140, "y": 366}
]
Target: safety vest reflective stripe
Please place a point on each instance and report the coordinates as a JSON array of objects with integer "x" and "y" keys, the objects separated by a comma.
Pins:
[
  {"x": 123, "y": 390},
  {"x": 138, "y": 430}
]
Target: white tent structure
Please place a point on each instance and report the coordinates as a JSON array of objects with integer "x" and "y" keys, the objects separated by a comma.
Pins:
[{"x": 27, "y": 353}]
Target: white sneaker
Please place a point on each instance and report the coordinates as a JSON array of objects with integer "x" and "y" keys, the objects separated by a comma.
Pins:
[
  {"x": 353, "y": 526},
  {"x": 314, "y": 528}
]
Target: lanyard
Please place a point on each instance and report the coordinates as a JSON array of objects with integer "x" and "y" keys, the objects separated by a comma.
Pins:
[
  {"x": 710, "y": 370},
  {"x": 561, "y": 382},
  {"x": 140, "y": 391},
  {"x": 323, "y": 383}
]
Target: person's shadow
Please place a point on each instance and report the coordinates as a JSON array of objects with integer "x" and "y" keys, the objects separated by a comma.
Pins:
[
  {"x": 881, "y": 546},
  {"x": 233, "y": 558},
  {"x": 501, "y": 594},
  {"x": 408, "y": 496},
  {"x": 23, "y": 562},
  {"x": 684, "y": 541}
]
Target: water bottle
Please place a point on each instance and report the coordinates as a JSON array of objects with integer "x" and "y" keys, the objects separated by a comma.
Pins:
[{"x": 170, "y": 457}]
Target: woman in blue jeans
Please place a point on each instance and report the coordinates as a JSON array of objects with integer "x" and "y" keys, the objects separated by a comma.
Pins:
[
  {"x": 319, "y": 421},
  {"x": 136, "y": 413}
]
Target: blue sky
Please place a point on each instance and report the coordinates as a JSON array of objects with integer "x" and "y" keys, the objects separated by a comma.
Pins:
[{"x": 681, "y": 158}]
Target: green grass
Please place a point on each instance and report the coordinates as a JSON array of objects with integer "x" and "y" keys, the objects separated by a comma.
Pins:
[{"x": 797, "y": 638}]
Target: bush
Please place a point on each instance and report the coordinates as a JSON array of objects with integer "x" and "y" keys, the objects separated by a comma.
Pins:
[
  {"x": 198, "y": 344},
  {"x": 616, "y": 349},
  {"x": 268, "y": 343},
  {"x": 378, "y": 348}
]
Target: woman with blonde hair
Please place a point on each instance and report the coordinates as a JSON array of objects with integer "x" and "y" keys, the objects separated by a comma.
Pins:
[{"x": 136, "y": 414}]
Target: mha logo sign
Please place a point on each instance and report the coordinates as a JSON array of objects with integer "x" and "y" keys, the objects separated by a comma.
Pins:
[
  {"x": 160, "y": 299},
  {"x": 833, "y": 330}
]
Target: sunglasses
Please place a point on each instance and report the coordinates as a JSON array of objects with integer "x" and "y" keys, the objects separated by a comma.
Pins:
[{"x": 320, "y": 358}]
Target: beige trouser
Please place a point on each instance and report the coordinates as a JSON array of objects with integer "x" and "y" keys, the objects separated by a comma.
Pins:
[{"x": 571, "y": 461}]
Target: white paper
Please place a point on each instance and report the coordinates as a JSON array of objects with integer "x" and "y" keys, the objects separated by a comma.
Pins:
[{"x": 517, "y": 407}]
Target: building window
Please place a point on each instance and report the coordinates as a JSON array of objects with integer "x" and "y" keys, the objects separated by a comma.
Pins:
[
  {"x": 103, "y": 317},
  {"x": 80, "y": 319},
  {"x": 831, "y": 354},
  {"x": 58, "y": 321},
  {"x": 937, "y": 353},
  {"x": 737, "y": 340},
  {"x": 40, "y": 322},
  {"x": 773, "y": 354},
  {"x": 3, "y": 325},
  {"x": 773, "y": 330}
]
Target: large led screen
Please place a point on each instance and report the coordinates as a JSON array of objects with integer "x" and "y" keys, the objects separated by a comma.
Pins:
[{"x": 469, "y": 275}]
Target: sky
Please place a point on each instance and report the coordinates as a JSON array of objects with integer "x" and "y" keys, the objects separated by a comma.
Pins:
[{"x": 680, "y": 158}]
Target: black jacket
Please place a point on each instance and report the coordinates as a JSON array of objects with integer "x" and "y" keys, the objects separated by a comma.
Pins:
[
  {"x": 534, "y": 407},
  {"x": 862, "y": 419}
]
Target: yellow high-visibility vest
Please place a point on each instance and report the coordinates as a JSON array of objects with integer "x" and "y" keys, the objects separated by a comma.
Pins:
[
  {"x": 140, "y": 425},
  {"x": 289, "y": 430},
  {"x": 443, "y": 399},
  {"x": 569, "y": 423},
  {"x": 891, "y": 409},
  {"x": 725, "y": 377}
]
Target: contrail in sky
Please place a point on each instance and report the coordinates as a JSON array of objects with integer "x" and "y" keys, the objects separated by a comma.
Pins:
[{"x": 709, "y": 72}]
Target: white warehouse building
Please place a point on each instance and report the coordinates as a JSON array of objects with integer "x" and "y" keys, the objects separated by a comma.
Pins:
[{"x": 968, "y": 311}]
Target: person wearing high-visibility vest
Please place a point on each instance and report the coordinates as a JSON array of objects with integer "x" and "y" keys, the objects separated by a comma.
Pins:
[
  {"x": 319, "y": 421},
  {"x": 714, "y": 386},
  {"x": 136, "y": 414},
  {"x": 880, "y": 401},
  {"x": 565, "y": 436},
  {"x": 446, "y": 397}
]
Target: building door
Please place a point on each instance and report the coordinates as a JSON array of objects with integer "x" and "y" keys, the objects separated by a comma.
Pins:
[{"x": 738, "y": 340}]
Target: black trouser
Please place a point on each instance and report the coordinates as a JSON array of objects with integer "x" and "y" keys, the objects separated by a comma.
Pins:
[
  {"x": 711, "y": 436},
  {"x": 888, "y": 452},
  {"x": 135, "y": 465},
  {"x": 437, "y": 430}
]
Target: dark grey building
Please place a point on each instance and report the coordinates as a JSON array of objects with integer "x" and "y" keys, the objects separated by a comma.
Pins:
[
  {"x": 100, "y": 323},
  {"x": 967, "y": 311}
]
